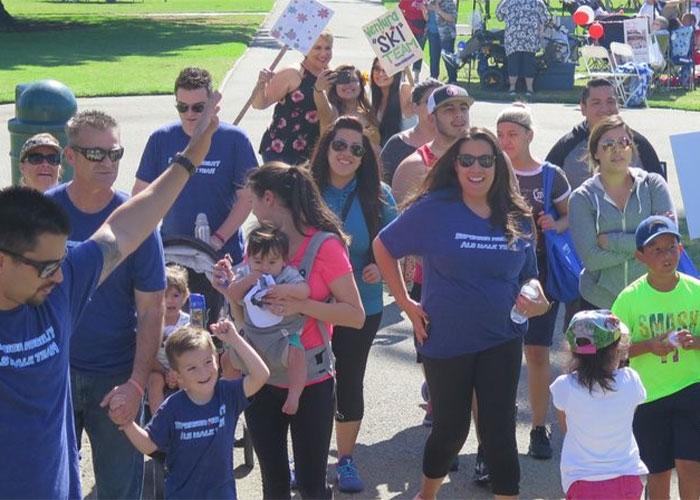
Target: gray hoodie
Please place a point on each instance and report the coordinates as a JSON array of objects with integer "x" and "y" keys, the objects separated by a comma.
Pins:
[{"x": 593, "y": 212}]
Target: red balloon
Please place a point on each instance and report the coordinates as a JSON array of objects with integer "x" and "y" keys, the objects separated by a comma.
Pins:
[
  {"x": 580, "y": 18},
  {"x": 596, "y": 31}
]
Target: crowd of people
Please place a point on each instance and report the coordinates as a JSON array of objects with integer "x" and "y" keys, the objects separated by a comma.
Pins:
[{"x": 365, "y": 181}]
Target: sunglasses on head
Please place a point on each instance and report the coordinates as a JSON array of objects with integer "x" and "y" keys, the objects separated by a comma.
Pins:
[
  {"x": 98, "y": 154},
  {"x": 621, "y": 143},
  {"x": 339, "y": 145},
  {"x": 466, "y": 160},
  {"x": 53, "y": 159},
  {"x": 184, "y": 108},
  {"x": 45, "y": 269}
]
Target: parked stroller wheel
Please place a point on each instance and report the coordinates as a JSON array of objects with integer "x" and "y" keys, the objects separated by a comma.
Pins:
[{"x": 493, "y": 79}]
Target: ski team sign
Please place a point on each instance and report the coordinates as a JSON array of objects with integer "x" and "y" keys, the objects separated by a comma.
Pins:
[{"x": 392, "y": 41}]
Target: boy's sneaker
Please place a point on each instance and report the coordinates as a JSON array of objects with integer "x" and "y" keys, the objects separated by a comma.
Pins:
[
  {"x": 481, "y": 472},
  {"x": 539, "y": 443},
  {"x": 348, "y": 479}
]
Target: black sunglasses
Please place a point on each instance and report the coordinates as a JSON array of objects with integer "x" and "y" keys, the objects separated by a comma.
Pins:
[
  {"x": 184, "y": 108},
  {"x": 45, "y": 269},
  {"x": 98, "y": 154},
  {"x": 467, "y": 160},
  {"x": 53, "y": 159},
  {"x": 357, "y": 150}
]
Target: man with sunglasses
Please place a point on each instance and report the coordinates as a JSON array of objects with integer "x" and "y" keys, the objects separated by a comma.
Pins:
[
  {"x": 115, "y": 342},
  {"x": 40, "y": 162},
  {"x": 44, "y": 291},
  {"x": 218, "y": 189},
  {"x": 570, "y": 152}
]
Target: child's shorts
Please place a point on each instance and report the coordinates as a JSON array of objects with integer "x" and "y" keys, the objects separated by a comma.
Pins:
[
  {"x": 622, "y": 487},
  {"x": 668, "y": 429}
]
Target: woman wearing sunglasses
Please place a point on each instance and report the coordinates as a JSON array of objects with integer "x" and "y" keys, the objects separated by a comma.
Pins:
[
  {"x": 294, "y": 130},
  {"x": 474, "y": 232},
  {"x": 345, "y": 97},
  {"x": 391, "y": 101},
  {"x": 344, "y": 167},
  {"x": 40, "y": 162},
  {"x": 605, "y": 210}
]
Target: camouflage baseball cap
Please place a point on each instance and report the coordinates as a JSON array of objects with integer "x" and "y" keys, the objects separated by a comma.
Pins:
[
  {"x": 590, "y": 331},
  {"x": 38, "y": 140}
]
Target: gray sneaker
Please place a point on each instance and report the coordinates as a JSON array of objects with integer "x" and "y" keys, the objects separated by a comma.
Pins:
[{"x": 539, "y": 443}]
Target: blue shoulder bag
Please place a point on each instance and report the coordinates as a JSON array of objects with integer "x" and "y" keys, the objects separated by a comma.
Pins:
[
  {"x": 563, "y": 263},
  {"x": 686, "y": 266}
]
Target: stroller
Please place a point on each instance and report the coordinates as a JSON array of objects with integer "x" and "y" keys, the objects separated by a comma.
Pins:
[
  {"x": 199, "y": 259},
  {"x": 487, "y": 48}
]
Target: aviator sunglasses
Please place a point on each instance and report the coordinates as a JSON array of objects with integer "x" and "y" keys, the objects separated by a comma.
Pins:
[
  {"x": 467, "y": 160},
  {"x": 53, "y": 159},
  {"x": 98, "y": 154},
  {"x": 357, "y": 150},
  {"x": 621, "y": 143},
  {"x": 184, "y": 108},
  {"x": 45, "y": 269}
]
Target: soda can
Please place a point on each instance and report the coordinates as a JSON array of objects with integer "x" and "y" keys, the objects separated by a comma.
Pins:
[{"x": 198, "y": 310}]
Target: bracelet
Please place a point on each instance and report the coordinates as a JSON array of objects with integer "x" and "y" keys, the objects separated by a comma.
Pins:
[
  {"x": 185, "y": 162},
  {"x": 218, "y": 236},
  {"x": 137, "y": 385}
]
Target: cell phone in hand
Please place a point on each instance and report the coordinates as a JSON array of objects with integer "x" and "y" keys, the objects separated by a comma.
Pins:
[{"x": 343, "y": 76}]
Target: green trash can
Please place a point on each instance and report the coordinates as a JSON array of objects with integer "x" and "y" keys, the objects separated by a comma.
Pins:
[{"x": 41, "y": 106}]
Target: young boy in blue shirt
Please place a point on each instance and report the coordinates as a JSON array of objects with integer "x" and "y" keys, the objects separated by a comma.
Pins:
[{"x": 195, "y": 426}]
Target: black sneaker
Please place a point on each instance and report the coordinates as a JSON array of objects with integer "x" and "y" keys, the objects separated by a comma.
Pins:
[
  {"x": 481, "y": 472},
  {"x": 539, "y": 443}
]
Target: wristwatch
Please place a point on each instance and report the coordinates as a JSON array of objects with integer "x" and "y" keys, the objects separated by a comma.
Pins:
[{"x": 181, "y": 159}]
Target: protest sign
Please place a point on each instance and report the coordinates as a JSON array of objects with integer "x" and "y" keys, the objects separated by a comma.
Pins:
[
  {"x": 392, "y": 41},
  {"x": 301, "y": 23},
  {"x": 685, "y": 152},
  {"x": 637, "y": 36}
]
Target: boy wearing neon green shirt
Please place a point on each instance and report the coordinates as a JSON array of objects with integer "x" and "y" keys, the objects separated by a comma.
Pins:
[{"x": 662, "y": 311}]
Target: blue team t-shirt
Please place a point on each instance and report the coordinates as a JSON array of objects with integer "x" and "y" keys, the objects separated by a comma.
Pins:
[
  {"x": 471, "y": 276},
  {"x": 104, "y": 340},
  {"x": 212, "y": 190},
  {"x": 37, "y": 434},
  {"x": 198, "y": 441},
  {"x": 355, "y": 226}
]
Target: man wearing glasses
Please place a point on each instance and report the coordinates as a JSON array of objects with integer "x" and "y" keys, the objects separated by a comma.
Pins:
[
  {"x": 218, "y": 189},
  {"x": 44, "y": 291},
  {"x": 115, "y": 342}
]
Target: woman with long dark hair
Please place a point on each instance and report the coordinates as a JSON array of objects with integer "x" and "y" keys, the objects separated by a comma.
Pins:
[
  {"x": 344, "y": 167},
  {"x": 391, "y": 101},
  {"x": 474, "y": 232},
  {"x": 287, "y": 198}
]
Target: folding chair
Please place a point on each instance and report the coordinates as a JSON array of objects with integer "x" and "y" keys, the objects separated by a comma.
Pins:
[
  {"x": 598, "y": 64},
  {"x": 621, "y": 54}
]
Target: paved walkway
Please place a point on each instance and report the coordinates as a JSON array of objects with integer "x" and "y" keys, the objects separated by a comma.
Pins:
[{"x": 391, "y": 441}]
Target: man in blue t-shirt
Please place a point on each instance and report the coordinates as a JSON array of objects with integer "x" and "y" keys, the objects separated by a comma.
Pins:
[
  {"x": 44, "y": 290},
  {"x": 218, "y": 189},
  {"x": 115, "y": 342}
]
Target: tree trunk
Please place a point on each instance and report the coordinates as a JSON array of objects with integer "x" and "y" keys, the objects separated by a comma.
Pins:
[{"x": 5, "y": 17}]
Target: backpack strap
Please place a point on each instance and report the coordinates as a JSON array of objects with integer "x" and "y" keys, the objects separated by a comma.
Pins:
[{"x": 548, "y": 172}]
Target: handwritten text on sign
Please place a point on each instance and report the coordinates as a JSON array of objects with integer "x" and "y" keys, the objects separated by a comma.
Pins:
[{"x": 393, "y": 41}]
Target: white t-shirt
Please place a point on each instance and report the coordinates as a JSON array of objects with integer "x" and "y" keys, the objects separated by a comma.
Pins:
[{"x": 599, "y": 443}]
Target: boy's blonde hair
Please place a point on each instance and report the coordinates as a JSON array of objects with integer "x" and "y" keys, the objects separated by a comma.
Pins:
[
  {"x": 187, "y": 338},
  {"x": 176, "y": 277}
]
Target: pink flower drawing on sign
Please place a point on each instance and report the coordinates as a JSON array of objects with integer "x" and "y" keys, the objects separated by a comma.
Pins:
[
  {"x": 302, "y": 18},
  {"x": 291, "y": 34},
  {"x": 277, "y": 146},
  {"x": 299, "y": 144},
  {"x": 323, "y": 13},
  {"x": 311, "y": 116},
  {"x": 275, "y": 33},
  {"x": 297, "y": 96}
]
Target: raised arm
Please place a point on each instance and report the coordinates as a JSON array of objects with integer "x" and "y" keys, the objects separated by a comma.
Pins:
[
  {"x": 272, "y": 87},
  {"x": 128, "y": 226}
]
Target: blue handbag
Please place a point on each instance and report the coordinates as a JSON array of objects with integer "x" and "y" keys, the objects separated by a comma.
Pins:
[
  {"x": 563, "y": 263},
  {"x": 686, "y": 266}
]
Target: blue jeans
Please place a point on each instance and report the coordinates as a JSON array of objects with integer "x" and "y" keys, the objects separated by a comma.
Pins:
[
  {"x": 448, "y": 45},
  {"x": 117, "y": 464},
  {"x": 435, "y": 48}
]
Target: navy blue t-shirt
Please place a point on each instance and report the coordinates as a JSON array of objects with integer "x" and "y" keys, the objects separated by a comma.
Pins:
[
  {"x": 37, "y": 434},
  {"x": 471, "y": 276},
  {"x": 104, "y": 340},
  {"x": 212, "y": 190},
  {"x": 198, "y": 441}
]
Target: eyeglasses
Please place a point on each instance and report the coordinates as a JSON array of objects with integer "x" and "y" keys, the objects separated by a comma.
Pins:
[
  {"x": 467, "y": 160},
  {"x": 184, "y": 108},
  {"x": 53, "y": 159},
  {"x": 98, "y": 154},
  {"x": 45, "y": 269},
  {"x": 356, "y": 150},
  {"x": 621, "y": 143}
]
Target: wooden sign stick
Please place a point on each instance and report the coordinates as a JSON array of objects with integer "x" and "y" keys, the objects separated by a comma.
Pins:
[{"x": 272, "y": 67}]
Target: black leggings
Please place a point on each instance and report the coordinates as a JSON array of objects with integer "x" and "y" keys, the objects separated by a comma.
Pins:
[
  {"x": 494, "y": 375},
  {"x": 351, "y": 349},
  {"x": 311, "y": 438}
]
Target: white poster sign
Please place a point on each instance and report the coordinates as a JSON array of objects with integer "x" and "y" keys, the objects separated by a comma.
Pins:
[
  {"x": 301, "y": 23},
  {"x": 685, "y": 155},
  {"x": 637, "y": 36},
  {"x": 392, "y": 41}
]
